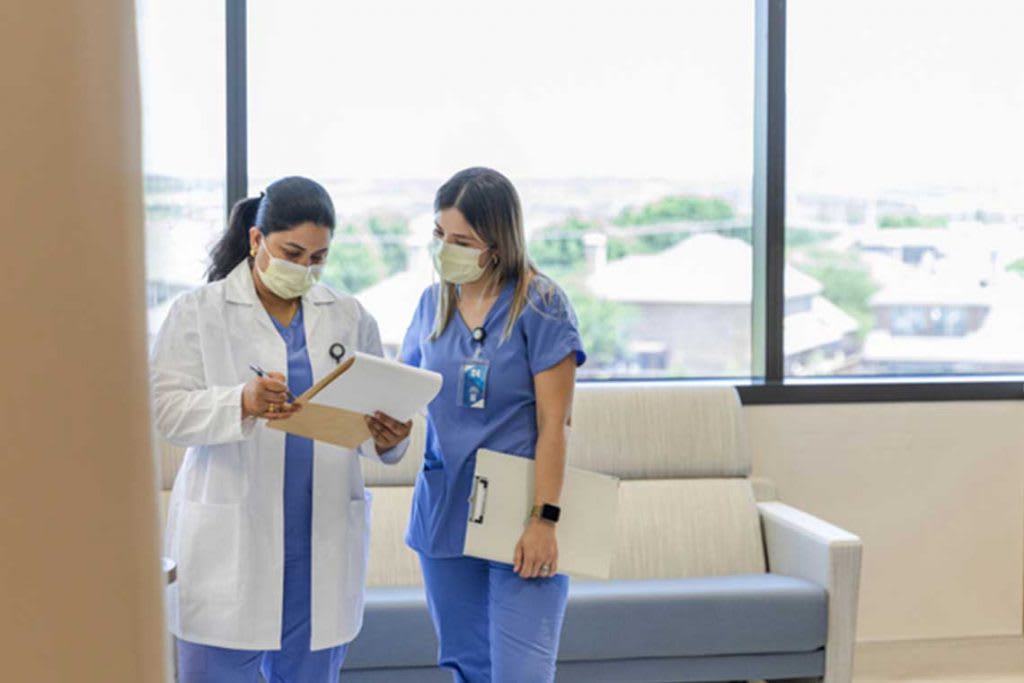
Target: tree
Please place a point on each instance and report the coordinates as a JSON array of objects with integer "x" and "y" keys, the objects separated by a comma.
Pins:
[
  {"x": 558, "y": 248},
  {"x": 675, "y": 208},
  {"x": 802, "y": 237},
  {"x": 602, "y": 324},
  {"x": 1016, "y": 267},
  {"x": 390, "y": 231},
  {"x": 913, "y": 220},
  {"x": 366, "y": 251},
  {"x": 846, "y": 282}
]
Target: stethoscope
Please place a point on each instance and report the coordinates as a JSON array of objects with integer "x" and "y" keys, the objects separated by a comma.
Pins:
[{"x": 337, "y": 351}]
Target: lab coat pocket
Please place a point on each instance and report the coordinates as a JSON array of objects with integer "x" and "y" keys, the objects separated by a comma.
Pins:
[
  {"x": 209, "y": 551},
  {"x": 359, "y": 513}
]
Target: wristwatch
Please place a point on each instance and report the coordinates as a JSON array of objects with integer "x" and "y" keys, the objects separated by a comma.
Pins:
[{"x": 547, "y": 512}]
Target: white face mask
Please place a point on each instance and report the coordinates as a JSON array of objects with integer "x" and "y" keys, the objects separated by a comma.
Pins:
[
  {"x": 286, "y": 279},
  {"x": 456, "y": 264}
]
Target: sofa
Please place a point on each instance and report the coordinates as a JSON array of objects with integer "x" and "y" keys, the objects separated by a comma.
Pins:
[{"x": 712, "y": 579}]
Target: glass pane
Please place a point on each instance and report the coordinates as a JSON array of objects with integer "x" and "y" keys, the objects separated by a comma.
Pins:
[
  {"x": 626, "y": 127},
  {"x": 905, "y": 207},
  {"x": 181, "y": 57}
]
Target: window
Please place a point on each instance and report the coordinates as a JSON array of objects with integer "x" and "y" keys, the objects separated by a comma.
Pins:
[
  {"x": 896, "y": 272},
  {"x": 905, "y": 207},
  {"x": 626, "y": 127},
  {"x": 183, "y": 143}
]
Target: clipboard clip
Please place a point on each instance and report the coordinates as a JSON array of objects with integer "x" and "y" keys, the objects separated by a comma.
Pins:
[{"x": 478, "y": 501}]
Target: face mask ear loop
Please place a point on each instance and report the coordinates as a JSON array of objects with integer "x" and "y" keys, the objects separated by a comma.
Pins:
[{"x": 255, "y": 252}]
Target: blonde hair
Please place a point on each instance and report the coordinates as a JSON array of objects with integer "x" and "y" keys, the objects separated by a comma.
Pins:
[{"x": 490, "y": 204}]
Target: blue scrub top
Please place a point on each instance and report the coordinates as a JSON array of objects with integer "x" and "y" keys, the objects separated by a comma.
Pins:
[
  {"x": 298, "y": 450},
  {"x": 543, "y": 335}
]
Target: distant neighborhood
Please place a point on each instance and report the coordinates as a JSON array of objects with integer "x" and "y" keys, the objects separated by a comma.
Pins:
[{"x": 661, "y": 276}]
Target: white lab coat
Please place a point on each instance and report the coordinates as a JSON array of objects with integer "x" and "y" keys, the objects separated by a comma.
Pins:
[{"x": 225, "y": 526}]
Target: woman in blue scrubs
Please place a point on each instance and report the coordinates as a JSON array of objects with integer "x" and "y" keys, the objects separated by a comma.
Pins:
[
  {"x": 505, "y": 338},
  {"x": 241, "y": 608}
]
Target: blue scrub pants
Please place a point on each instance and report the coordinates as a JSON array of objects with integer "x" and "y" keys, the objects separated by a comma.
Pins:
[
  {"x": 293, "y": 663},
  {"x": 492, "y": 625}
]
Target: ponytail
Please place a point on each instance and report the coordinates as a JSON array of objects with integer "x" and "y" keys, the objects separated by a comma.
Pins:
[
  {"x": 286, "y": 203},
  {"x": 233, "y": 246}
]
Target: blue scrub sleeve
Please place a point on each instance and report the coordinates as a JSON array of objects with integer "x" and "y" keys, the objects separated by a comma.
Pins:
[
  {"x": 551, "y": 329},
  {"x": 419, "y": 328}
]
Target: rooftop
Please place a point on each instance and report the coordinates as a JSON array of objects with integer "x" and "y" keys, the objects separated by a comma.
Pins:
[{"x": 703, "y": 269}]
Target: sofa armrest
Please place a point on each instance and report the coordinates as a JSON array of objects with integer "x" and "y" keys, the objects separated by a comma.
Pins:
[{"x": 801, "y": 545}]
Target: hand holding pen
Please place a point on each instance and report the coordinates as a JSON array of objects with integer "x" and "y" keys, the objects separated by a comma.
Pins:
[{"x": 267, "y": 396}]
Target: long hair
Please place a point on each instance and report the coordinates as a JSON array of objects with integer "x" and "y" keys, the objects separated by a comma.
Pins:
[
  {"x": 490, "y": 204},
  {"x": 287, "y": 202}
]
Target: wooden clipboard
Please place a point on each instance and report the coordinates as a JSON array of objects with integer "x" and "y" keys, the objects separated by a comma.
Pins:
[{"x": 325, "y": 423}]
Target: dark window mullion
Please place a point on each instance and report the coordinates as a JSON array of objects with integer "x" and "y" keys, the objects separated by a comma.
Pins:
[
  {"x": 236, "y": 92},
  {"x": 769, "y": 303}
]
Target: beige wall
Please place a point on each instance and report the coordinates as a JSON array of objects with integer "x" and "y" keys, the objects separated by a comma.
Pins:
[
  {"x": 80, "y": 593},
  {"x": 936, "y": 491}
]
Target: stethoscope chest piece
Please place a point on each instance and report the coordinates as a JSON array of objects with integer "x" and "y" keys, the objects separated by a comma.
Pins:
[{"x": 337, "y": 351}]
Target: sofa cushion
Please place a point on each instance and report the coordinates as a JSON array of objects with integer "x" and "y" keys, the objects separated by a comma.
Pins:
[
  {"x": 397, "y": 631},
  {"x": 752, "y": 614},
  {"x": 392, "y": 563},
  {"x": 733, "y": 615},
  {"x": 677, "y": 528},
  {"x": 666, "y": 528},
  {"x": 658, "y": 431}
]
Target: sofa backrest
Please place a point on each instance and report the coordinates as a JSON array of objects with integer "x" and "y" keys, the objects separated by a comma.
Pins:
[
  {"x": 658, "y": 431},
  {"x": 686, "y": 504}
]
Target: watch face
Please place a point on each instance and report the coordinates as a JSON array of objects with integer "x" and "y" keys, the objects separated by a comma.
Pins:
[{"x": 550, "y": 512}]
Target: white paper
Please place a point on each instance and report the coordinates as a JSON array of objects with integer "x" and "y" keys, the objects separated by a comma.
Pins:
[{"x": 373, "y": 384}]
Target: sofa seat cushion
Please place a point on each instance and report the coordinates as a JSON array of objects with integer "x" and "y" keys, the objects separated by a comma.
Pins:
[
  {"x": 726, "y": 615},
  {"x": 397, "y": 631},
  {"x": 634, "y": 619}
]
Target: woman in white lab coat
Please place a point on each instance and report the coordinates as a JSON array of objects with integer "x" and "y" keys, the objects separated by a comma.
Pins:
[{"x": 263, "y": 525}]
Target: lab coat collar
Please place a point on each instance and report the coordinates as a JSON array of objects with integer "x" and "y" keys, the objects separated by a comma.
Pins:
[{"x": 239, "y": 289}]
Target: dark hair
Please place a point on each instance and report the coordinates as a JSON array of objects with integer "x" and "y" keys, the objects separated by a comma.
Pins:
[{"x": 287, "y": 202}]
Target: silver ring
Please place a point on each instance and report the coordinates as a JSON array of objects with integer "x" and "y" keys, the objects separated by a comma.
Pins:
[{"x": 545, "y": 569}]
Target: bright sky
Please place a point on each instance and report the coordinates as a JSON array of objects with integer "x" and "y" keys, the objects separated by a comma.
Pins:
[
  {"x": 891, "y": 93},
  {"x": 883, "y": 93}
]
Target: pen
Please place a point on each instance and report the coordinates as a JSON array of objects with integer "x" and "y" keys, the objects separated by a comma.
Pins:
[{"x": 260, "y": 372}]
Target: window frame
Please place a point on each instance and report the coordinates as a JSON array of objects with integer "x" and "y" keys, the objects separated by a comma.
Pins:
[{"x": 769, "y": 385}]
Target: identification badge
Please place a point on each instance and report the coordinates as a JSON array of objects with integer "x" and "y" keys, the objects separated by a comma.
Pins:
[{"x": 473, "y": 383}]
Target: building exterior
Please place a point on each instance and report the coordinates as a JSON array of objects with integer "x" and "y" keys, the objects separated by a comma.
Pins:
[{"x": 692, "y": 309}]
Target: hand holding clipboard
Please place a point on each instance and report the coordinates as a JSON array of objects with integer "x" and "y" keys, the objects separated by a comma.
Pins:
[{"x": 361, "y": 385}]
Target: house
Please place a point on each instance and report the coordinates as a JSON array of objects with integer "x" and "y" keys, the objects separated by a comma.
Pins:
[
  {"x": 947, "y": 302},
  {"x": 935, "y": 323},
  {"x": 692, "y": 309}
]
